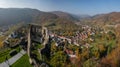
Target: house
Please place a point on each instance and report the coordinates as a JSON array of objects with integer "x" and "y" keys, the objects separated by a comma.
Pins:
[
  {"x": 72, "y": 55},
  {"x": 12, "y": 35}
]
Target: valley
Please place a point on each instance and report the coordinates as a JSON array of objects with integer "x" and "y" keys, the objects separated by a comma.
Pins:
[{"x": 59, "y": 39}]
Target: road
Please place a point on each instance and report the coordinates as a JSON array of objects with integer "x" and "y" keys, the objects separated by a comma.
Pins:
[{"x": 13, "y": 59}]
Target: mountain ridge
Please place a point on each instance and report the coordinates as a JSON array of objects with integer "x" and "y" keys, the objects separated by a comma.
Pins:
[{"x": 28, "y": 15}]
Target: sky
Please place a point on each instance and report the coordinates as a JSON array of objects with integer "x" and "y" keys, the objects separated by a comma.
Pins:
[{"x": 90, "y": 7}]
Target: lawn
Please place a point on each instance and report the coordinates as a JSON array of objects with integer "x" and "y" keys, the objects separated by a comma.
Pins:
[
  {"x": 5, "y": 53},
  {"x": 22, "y": 62}
]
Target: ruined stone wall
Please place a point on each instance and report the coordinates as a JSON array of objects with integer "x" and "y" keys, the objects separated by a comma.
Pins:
[{"x": 38, "y": 34}]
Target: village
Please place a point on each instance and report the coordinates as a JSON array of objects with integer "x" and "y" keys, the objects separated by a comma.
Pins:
[{"x": 72, "y": 46}]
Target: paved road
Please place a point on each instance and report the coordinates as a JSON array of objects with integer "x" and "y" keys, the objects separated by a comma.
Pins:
[{"x": 13, "y": 59}]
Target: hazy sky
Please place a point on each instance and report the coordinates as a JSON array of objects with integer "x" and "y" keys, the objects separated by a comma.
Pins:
[{"x": 90, "y": 7}]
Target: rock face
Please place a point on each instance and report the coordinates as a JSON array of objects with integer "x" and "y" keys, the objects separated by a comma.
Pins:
[
  {"x": 38, "y": 34},
  {"x": 45, "y": 35}
]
